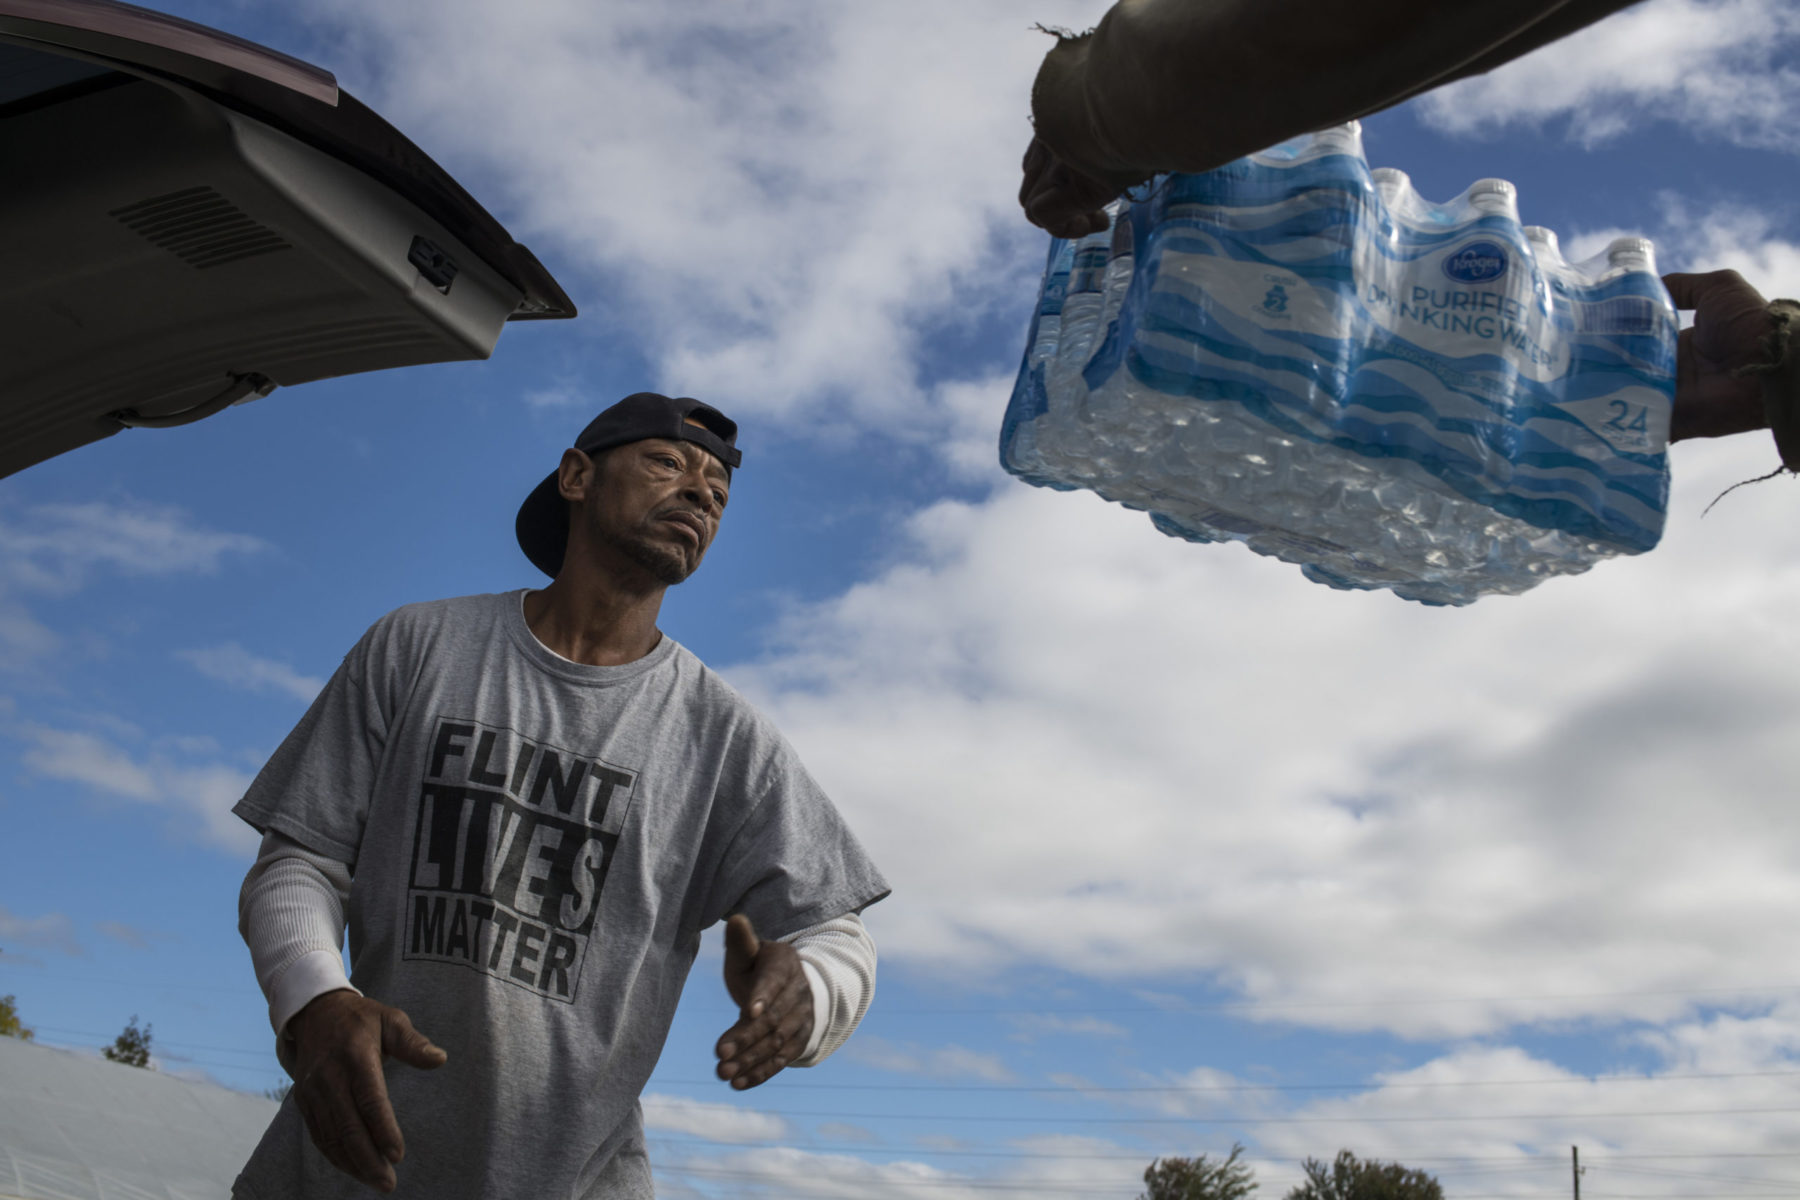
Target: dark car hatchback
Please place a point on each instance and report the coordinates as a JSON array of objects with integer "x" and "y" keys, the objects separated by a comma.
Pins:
[{"x": 189, "y": 220}]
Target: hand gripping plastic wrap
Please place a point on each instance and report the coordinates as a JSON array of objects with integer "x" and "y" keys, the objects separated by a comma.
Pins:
[{"x": 1304, "y": 355}]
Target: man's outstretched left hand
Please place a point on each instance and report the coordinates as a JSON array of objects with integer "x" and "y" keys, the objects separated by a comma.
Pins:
[
  {"x": 774, "y": 1002},
  {"x": 1058, "y": 198}
]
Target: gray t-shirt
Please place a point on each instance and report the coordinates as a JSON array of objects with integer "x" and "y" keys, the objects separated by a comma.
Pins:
[{"x": 536, "y": 847}]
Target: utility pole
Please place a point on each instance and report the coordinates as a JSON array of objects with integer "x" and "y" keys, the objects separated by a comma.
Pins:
[{"x": 1575, "y": 1168}]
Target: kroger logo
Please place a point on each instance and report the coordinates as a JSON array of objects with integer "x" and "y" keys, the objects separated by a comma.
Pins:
[{"x": 1477, "y": 262}]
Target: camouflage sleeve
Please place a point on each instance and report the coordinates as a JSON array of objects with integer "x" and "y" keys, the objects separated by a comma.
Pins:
[{"x": 1187, "y": 85}]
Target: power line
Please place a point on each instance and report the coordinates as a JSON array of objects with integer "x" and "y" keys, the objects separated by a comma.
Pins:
[
  {"x": 271, "y": 1069},
  {"x": 266, "y": 1058},
  {"x": 1667, "y": 1173},
  {"x": 778, "y": 1176},
  {"x": 1255, "y": 1119},
  {"x": 1188, "y": 1008},
  {"x": 775, "y": 1175},
  {"x": 1714, "y": 1154},
  {"x": 1482, "y": 1164},
  {"x": 1497, "y": 1165},
  {"x": 1083, "y": 1089},
  {"x": 1181, "y": 1009},
  {"x": 1452, "y": 1167},
  {"x": 172, "y": 1050},
  {"x": 139, "y": 983},
  {"x": 267, "y": 1052}
]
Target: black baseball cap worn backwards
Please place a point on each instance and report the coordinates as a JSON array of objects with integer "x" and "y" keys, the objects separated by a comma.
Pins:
[{"x": 543, "y": 523}]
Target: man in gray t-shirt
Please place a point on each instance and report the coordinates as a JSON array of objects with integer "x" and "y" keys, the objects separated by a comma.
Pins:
[{"x": 527, "y": 807}]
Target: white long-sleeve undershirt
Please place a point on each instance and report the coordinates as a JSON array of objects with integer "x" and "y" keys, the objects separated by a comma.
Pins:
[{"x": 291, "y": 915}]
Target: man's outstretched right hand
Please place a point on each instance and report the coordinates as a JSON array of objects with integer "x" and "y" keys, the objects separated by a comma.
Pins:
[
  {"x": 340, "y": 1039},
  {"x": 1714, "y": 395}
]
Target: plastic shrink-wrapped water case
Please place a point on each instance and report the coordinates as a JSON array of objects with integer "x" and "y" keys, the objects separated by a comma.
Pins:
[{"x": 1304, "y": 355}]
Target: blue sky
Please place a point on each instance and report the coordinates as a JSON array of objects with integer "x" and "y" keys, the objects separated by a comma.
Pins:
[{"x": 1186, "y": 850}]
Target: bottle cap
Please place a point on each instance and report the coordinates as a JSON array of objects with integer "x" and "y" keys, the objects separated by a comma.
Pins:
[
  {"x": 1495, "y": 196},
  {"x": 1391, "y": 182},
  {"x": 1632, "y": 254},
  {"x": 1337, "y": 139}
]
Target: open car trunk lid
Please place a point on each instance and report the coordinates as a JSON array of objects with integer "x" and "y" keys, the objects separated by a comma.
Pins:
[{"x": 189, "y": 220}]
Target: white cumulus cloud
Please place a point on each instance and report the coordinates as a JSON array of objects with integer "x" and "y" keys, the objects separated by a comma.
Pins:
[
  {"x": 947, "y": 1061},
  {"x": 1725, "y": 235},
  {"x": 1723, "y": 68},
  {"x": 1500, "y": 1120},
  {"x": 51, "y": 931},
  {"x": 1071, "y": 739},
  {"x": 56, "y": 549},
  {"x": 714, "y": 1122},
  {"x": 82, "y": 757},
  {"x": 53, "y": 547},
  {"x": 788, "y": 1172},
  {"x": 1031, "y": 1025},
  {"x": 787, "y": 200},
  {"x": 235, "y": 666},
  {"x": 202, "y": 793}
]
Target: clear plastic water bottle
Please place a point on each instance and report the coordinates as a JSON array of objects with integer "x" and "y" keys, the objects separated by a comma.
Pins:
[
  {"x": 1046, "y": 327},
  {"x": 1309, "y": 357},
  {"x": 1079, "y": 326},
  {"x": 1040, "y": 357},
  {"x": 1119, "y": 259}
]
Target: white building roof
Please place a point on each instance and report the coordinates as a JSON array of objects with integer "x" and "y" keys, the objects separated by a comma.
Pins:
[{"x": 76, "y": 1127}]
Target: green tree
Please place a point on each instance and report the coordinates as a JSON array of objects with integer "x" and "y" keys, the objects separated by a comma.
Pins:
[
  {"x": 10, "y": 1025},
  {"x": 1349, "y": 1179},
  {"x": 131, "y": 1047},
  {"x": 1199, "y": 1178}
]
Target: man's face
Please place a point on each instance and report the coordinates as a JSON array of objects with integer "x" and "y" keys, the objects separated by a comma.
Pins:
[{"x": 653, "y": 504}]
